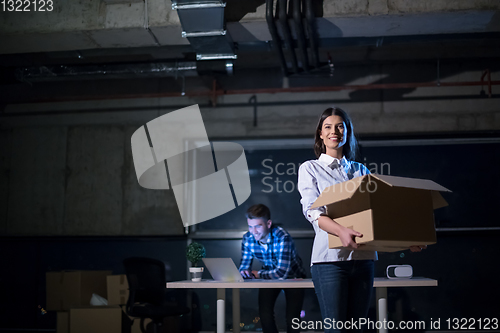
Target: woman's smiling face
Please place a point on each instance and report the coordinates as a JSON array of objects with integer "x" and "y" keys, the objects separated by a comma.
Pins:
[{"x": 333, "y": 133}]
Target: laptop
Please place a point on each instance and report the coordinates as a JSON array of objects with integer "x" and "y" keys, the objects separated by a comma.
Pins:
[{"x": 223, "y": 269}]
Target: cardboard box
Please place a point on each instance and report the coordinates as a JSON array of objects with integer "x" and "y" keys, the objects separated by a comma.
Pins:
[
  {"x": 62, "y": 325},
  {"x": 68, "y": 289},
  {"x": 117, "y": 289},
  {"x": 98, "y": 319},
  {"x": 392, "y": 213}
]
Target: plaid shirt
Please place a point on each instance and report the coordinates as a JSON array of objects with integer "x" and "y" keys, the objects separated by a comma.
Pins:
[{"x": 279, "y": 261}]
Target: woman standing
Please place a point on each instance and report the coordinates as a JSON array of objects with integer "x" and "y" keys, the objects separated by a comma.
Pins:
[{"x": 343, "y": 278}]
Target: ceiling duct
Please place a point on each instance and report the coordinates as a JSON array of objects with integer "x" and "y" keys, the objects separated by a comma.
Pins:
[
  {"x": 203, "y": 25},
  {"x": 111, "y": 71},
  {"x": 293, "y": 16}
]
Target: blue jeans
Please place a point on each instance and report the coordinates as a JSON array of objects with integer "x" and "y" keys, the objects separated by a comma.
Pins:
[{"x": 344, "y": 290}]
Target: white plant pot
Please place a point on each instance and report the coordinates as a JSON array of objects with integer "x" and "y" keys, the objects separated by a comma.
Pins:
[{"x": 196, "y": 273}]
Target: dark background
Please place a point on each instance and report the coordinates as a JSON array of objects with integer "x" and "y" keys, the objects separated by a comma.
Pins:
[{"x": 463, "y": 260}]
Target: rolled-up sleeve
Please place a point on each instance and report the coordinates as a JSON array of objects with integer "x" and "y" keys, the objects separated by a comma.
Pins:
[{"x": 309, "y": 192}]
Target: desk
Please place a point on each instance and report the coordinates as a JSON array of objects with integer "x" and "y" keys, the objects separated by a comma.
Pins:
[{"x": 381, "y": 285}]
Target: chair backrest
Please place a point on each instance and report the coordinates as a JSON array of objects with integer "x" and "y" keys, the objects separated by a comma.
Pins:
[{"x": 146, "y": 279}]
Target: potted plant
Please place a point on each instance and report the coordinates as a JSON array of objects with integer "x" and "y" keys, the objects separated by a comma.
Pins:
[{"x": 194, "y": 253}]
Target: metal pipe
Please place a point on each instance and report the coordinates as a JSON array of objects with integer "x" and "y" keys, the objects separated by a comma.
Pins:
[
  {"x": 253, "y": 100},
  {"x": 221, "y": 92},
  {"x": 489, "y": 83},
  {"x": 44, "y": 73},
  {"x": 274, "y": 34},
  {"x": 299, "y": 28},
  {"x": 283, "y": 19},
  {"x": 310, "y": 19},
  {"x": 353, "y": 87},
  {"x": 214, "y": 93},
  {"x": 210, "y": 4},
  {"x": 299, "y": 233},
  {"x": 486, "y": 73}
]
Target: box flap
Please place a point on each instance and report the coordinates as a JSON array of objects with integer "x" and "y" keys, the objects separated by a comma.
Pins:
[
  {"x": 422, "y": 184},
  {"x": 338, "y": 192},
  {"x": 438, "y": 200}
]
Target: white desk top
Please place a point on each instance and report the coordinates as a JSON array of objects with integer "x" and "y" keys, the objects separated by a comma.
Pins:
[{"x": 297, "y": 283}]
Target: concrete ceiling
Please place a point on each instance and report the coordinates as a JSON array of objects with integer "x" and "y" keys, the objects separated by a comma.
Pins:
[{"x": 365, "y": 35}]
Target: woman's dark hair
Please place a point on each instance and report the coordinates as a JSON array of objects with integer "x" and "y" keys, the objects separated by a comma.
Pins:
[
  {"x": 259, "y": 211},
  {"x": 350, "y": 148}
]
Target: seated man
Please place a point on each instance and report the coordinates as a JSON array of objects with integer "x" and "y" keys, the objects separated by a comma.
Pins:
[{"x": 275, "y": 249}]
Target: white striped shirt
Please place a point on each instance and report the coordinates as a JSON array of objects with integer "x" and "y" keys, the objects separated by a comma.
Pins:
[{"x": 314, "y": 177}]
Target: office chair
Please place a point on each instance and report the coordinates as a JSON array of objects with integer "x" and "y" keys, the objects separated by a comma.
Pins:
[{"x": 148, "y": 292}]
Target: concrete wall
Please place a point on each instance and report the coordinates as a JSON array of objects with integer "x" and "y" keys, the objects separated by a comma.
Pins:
[
  {"x": 37, "y": 181},
  {"x": 89, "y": 15},
  {"x": 78, "y": 180},
  {"x": 71, "y": 173},
  {"x": 79, "y": 25}
]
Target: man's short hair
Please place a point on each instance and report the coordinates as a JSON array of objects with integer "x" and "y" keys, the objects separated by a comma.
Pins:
[{"x": 259, "y": 211}]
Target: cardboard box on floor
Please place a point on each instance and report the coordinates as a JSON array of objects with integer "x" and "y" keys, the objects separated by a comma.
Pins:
[
  {"x": 392, "y": 213},
  {"x": 68, "y": 289},
  {"x": 62, "y": 325},
  {"x": 98, "y": 319},
  {"x": 133, "y": 323},
  {"x": 117, "y": 289}
]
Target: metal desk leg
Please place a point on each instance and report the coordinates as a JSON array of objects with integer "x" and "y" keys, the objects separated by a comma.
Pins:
[
  {"x": 381, "y": 295},
  {"x": 221, "y": 310},
  {"x": 236, "y": 310}
]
